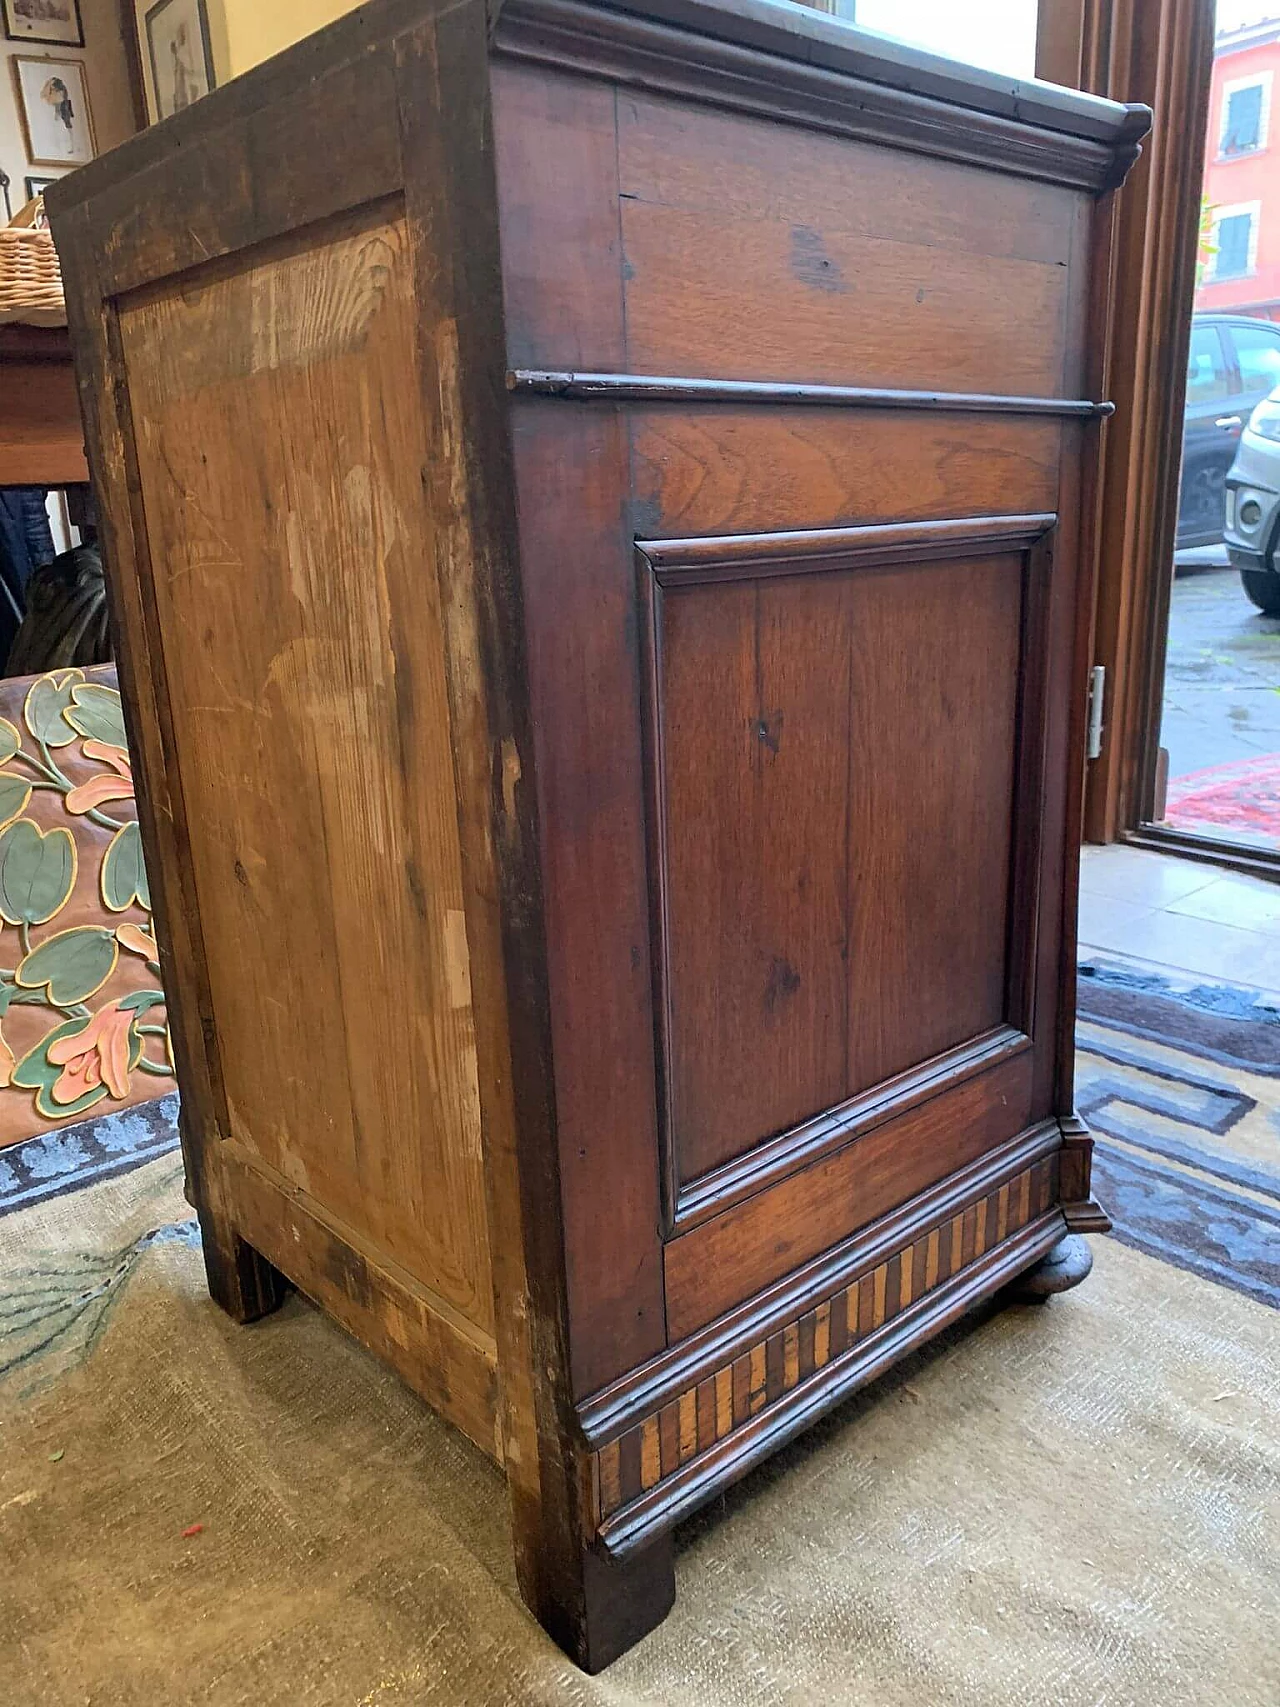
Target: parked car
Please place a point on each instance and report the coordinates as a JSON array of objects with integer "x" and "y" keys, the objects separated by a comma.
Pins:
[
  {"x": 1234, "y": 362},
  {"x": 1253, "y": 505}
]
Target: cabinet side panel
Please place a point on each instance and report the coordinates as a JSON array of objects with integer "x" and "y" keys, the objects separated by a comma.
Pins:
[{"x": 280, "y": 450}]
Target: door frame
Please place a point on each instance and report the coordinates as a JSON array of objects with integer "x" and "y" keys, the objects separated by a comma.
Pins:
[{"x": 1159, "y": 52}]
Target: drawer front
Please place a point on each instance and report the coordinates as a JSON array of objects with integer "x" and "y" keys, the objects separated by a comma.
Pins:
[{"x": 646, "y": 237}]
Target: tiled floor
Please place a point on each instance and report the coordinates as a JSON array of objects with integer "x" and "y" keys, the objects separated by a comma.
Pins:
[{"x": 1175, "y": 913}]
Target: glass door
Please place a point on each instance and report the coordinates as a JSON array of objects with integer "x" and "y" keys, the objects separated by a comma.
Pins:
[{"x": 1216, "y": 772}]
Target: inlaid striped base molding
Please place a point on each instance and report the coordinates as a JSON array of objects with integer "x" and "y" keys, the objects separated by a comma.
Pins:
[{"x": 699, "y": 1429}]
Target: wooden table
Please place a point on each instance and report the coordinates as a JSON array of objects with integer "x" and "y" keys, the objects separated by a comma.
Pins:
[{"x": 41, "y": 435}]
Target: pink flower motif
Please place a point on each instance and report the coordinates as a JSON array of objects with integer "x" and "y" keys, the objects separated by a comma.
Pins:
[
  {"x": 99, "y": 789},
  {"x": 98, "y": 1055}
]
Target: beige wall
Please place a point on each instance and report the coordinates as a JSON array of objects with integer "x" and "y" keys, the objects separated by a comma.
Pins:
[
  {"x": 242, "y": 32},
  {"x": 106, "y": 74}
]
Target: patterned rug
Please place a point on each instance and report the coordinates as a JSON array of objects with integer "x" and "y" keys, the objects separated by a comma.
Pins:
[
  {"x": 1243, "y": 797},
  {"x": 1181, "y": 1089},
  {"x": 1078, "y": 1505}
]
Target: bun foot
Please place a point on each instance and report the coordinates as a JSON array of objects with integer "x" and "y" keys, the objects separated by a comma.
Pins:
[{"x": 1065, "y": 1266}]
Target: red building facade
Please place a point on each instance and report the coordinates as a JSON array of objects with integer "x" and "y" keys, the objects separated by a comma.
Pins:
[{"x": 1241, "y": 256}]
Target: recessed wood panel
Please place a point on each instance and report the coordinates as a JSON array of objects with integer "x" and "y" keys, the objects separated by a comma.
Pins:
[
  {"x": 834, "y": 759},
  {"x": 280, "y": 443}
]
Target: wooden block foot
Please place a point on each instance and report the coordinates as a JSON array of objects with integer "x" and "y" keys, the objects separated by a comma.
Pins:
[
  {"x": 610, "y": 1604},
  {"x": 1065, "y": 1266},
  {"x": 240, "y": 1280},
  {"x": 623, "y": 1601}
]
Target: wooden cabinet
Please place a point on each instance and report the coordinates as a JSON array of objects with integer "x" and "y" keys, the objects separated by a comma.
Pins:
[{"x": 599, "y": 518}]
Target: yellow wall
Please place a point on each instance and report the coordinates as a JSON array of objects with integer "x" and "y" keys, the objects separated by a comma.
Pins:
[
  {"x": 242, "y": 32},
  {"x": 107, "y": 79}
]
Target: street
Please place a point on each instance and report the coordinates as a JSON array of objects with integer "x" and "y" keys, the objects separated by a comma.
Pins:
[{"x": 1221, "y": 704}]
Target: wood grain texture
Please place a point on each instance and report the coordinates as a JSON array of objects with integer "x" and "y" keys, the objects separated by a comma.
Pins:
[
  {"x": 703, "y": 287},
  {"x": 1167, "y": 51},
  {"x": 41, "y": 436},
  {"x": 585, "y": 690},
  {"x": 382, "y": 642},
  {"x": 434, "y": 1349},
  {"x": 749, "y": 1246},
  {"x": 696, "y": 1357},
  {"x": 555, "y": 141},
  {"x": 277, "y": 458},
  {"x": 801, "y": 715},
  {"x": 726, "y": 165},
  {"x": 732, "y": 470},
  {"x": 769, "y": 1374}
]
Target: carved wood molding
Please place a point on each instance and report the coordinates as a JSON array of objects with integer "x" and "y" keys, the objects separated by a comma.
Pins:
[
  {"x": 709, "y": 1432},
  {"x": 608, "y": 1413},
  {"x": 656, "y": 388},
  {"x": 697, "y": 1200},
  {"x": 749, "y": 556},
  {"x": 815, "y": 71},
  {"x": 1084, "y": 1214}
]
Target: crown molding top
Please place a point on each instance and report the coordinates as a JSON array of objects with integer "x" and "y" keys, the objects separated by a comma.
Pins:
[
  {"x": 793, "y": 63},
  {"x": 768, "y": 57}
]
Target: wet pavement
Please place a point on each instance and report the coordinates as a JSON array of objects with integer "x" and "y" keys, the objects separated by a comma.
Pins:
[{"x": 1222, "y": 672}]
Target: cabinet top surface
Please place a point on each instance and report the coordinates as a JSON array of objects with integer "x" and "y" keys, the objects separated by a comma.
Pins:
[
  {"x": 799, "y": 33},
  {"x": 821, "y": 57}
]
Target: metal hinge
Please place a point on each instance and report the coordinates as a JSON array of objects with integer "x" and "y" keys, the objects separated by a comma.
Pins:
[{"x": 1097, "y": 692}]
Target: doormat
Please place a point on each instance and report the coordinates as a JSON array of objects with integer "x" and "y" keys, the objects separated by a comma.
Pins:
[
  {"x": 1244, "y": 796},
  {"x": 1181, "y": 1090}
]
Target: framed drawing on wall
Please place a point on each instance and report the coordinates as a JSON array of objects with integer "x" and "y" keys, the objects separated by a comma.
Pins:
[
  {"x": 180, "y": 55},
  {"x": 54, "y": 22},
  {"x": 37, "y": 186},
  {"x": 53, "y": 100}
]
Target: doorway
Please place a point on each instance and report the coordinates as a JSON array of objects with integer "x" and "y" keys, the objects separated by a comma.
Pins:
[{"x": 1212, "y": 759}]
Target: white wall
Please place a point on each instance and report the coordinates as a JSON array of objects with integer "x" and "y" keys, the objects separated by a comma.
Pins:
[
  {"x": 109, "y": 99},
  {"x": 999, "y": 35}
]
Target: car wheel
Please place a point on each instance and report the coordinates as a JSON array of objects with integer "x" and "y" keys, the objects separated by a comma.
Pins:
[
  {"x": 1205, "y": 501},
  {"x": 1263, "y": 588}
]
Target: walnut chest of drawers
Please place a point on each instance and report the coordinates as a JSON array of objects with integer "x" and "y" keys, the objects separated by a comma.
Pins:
[{"x": 598, "y": 506}]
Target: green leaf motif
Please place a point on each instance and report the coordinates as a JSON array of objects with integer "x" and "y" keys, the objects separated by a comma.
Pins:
[
  {"x": 47, "y": 700},
  {"x": 71, "y": 965},
  {"x": 95, "y": 713},
  {"x": 37, "y": 872},
  {"x": 124, "y": 874},
  {"x": 15, "y": 791},
  {"x": 10, "y": 741}
]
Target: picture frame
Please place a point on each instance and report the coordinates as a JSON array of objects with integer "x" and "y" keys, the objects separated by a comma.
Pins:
[
  {"x": 47, "y": 23},
  {"x": 179, "y": 54},
  {"x": 53, "y": 104},
  {"x": 37, "y": 186}
]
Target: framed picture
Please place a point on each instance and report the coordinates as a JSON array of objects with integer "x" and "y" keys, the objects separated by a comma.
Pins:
[
  {"x": 53, "y": 99},
  {"x": 180, "y": 55},
  {"x": 56, "y": 22},
  {"x": 37, "y": 186}
]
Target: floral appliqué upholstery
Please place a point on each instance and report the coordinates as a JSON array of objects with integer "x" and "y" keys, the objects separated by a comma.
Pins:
[{"x": 82, "y": 1017}]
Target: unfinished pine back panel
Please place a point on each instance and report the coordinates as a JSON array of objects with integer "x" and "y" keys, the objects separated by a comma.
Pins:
[
  {"x": 290, "y": 560},
  {"x": 598, "y": 504}
]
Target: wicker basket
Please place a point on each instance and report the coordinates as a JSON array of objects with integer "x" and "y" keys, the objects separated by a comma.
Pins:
[{"x": 30, "y": 277}]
